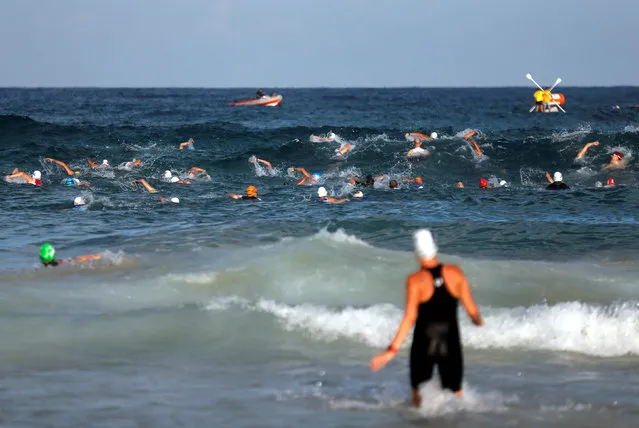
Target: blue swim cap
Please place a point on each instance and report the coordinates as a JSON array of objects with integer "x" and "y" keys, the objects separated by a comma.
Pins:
[
  {"x": 69, "y": 182},
  {"x": 316, "y": 176}
]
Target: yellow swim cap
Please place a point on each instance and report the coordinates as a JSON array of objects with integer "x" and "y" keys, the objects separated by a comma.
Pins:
[
  {"x": 77, "y": 173},
  {"x": 251, "y": 191}
]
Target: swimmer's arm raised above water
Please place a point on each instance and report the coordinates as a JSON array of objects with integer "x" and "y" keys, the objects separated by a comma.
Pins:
[
  {"x": 582, "y": 152},
  {"x": 475, "y": 146},
  {"x": 62, "y": 164},
  {"x": 549, "y": 178},
  {"x": 267, "y": 163},
  {"x": 146, "y": 185},
  {"x": 196, "y": 170},
  {"x": 92, "y": 164}
]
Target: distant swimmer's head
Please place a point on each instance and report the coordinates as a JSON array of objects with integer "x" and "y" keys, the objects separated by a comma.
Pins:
[
  {"x": 419, "y": 180},
  {"x": 503, "y": 183},
  {"x": 321, "y": 192},
  {"x": 425, "y": 247},
  {"x": 393, "y": 184},
  {"x": 316, "y": 176},
  {"x": 37, "y": 175},
  {"x": 557, "y": 176},
  {"x": 47, "y": 253},
  {"x": 433, "y": 135},
  {"x": 611, "y": 182},
  {"x": 175, "y": 200},
  {"x": 105, "y": 162},
  {"x": 251, "y": 191},
  {"x": 598, "y": 184},
  {"x": 369, "y": 181},
  {"x": 358, "y": 195},
  {"x": 69, "y": 182},
  {"x": 167, "y": 174},
  {"x": 617, "y": 155},
  {"x": 417, "y": 142},
  {"x": 79, "y": 201},
  {"x": 174, "y": 179},
  {"x": 460, "y": 184},
  {"x": 331, "y": 135},
  {"x": 483, "y": 183}
]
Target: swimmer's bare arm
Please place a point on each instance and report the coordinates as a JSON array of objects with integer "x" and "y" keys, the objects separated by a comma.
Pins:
[
  {"x": 267, "y": 163},
  {"x": 475, "y": 146},
  {"x": 186, "y": 143},
  {"x": 20, "y": 174},
  {"x": 195, "y": 169},
  {"x": 549, "y": 178},
  {"x": 92, "y": 164},
  {"x": 410, "y": 315},
  {"x": 337, "y": 201},
  {"x": 582, "y": 152},
  {"x": 146, "y": 185},
  {"x": 62, "y": 164},
  {"x": 466, "y": 297},
  {"x": 235, "y": 196}
]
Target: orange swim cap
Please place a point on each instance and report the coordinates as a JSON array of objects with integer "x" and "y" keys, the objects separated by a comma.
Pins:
[
  {"x": 419, "y": 180},
  {"x": 251, "y": 191}
]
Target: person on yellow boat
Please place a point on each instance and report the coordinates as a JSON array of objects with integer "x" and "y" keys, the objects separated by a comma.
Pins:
[
  {"x": 63, "y": 165},
  {"x": 47, "y": 256},
  {"x": 539, "y": 100},
  {"x": 251, "y": 194},
  {"x": 546, "y": 97}
]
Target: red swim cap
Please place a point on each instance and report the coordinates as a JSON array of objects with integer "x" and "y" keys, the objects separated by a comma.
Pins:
[
  {"x": 483, "y": 183},
  {"x": 618, "y": 154},
  {"x": 611, "y": 181}
]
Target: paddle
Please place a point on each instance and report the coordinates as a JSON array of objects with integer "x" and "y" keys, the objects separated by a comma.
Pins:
[
  {"x": 557, "y": 82},
  {"x": 529, "y": 77}
]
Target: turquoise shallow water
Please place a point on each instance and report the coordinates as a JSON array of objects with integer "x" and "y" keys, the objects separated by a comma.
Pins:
[{"x": 267, "y": 313}]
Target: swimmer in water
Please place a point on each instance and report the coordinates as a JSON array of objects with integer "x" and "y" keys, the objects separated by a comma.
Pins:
[
  {"x": 475, "y": 146},
  {"x": 188, "y": 144},
  {"x": 267, "y": 164},
  {"x": 168, "y": 176},
  {"x": 330, "y": 137},
  {"x": 417, "y": 180},
  {"x": 251, "y": 194},
  {"x": 172, "y": 200},
  {"x": 393, "y": 184},
  {"x": 63, "y": 165},
  {"x": 47, "y": 256},
  {"x": 412, "y": 136},
  {"x": 322, "y": 196},
  {"x": 616, "y": 161},
  {"x": 343, "y": 149},
  {"x": 35, "y": 179},
  {"x": 433, "y": 294},
  {"x": 582, "y": 152},
  {"x": 417, "y": 150},
  {"x": 146, "y": 185},
  {"x": 484, "y": 184},
  {"x": 134, "y": 162},
  {"x": 460, "y": 185},
  {"x": 556, "y": 182},
  {"x": 74, "y": 182},
  {"x": 308, "y": 178},
  {"x": 197, "y": 172},
  {"x": 80, "y": 204},
  {"x": 105, "y": 164}
]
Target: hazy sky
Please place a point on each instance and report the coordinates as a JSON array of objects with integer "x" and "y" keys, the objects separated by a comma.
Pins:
[{"x": 311, "y": 43}]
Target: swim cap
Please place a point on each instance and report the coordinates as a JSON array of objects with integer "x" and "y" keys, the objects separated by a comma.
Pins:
[
  {"x": 167, "y": 174},
  {"x": 37, "y": 175},
  {"x": 175, "y": 200},
  {"x": 79, "y": 200},
  {"x": 557, "y": 176},
  {"x": 425, "y": 246},
  {"x": 251, "y": 191},
  {"x": 47, "y": 253},
  {"x": 69, "y": 182},
  {"x": 321, "y": 192},
  {"x": 358, "y": 194},
  {"x": 503, "y": 183},
  {"x": 598, "y": 184},
  {"x": 105, "y": 162},
  {"x": 433, "y": 135},
  {"x": 331, "y": 135},
  {"x": 611, "y": 181},
  {"x": 418, "y": 180},
  {"x": 316, "y": 176},
  {"x": 483, "y": 183},
  {"x": 619, "y": 154},
  {"x": 174, "y": 179}
]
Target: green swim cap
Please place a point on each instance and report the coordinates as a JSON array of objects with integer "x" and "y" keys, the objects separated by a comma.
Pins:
[{"x": 47, "y": 253}]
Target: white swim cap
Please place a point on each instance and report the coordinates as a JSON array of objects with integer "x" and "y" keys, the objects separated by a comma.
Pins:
[
  {"x": 503, "y": 183},
  {"x": 167, "y": 174},
  {"x": 557, "y": 176},
  {"x": 321, "y": 192},
  {"x": 425, "y": 247},
  {"x": 174, "y": 179},
  {"x": 105, "y": 162},
  {"x": 175, "y": 200},
  {"x": 433, "y": 135},
  {"x": 79, "y": 200},
  {"x": 37, "y": 175},
  {"x": 358, "y": 194}
]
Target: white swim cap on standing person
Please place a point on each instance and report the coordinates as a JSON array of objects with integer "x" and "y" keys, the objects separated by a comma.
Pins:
[
  {"x": 37, "y": 175},
  {"x": 175, "y": 200},
  {"x": 167, "y": 174},
  {"x": 321, "y": 192},
  {"x": 78, "y": 201},
  {"x": 174, "y": 179},
  {"x": 425, "y": 247},
  {"x": 433, "y": 135},
  {"x": 557, "y": 176}
]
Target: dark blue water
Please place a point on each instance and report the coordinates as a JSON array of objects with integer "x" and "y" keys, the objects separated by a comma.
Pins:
[{"x": 317, "y": 286}]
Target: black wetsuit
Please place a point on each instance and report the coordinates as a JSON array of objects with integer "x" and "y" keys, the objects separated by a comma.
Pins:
[
  {"x": 250, "y": 198},
  {"x": 557, "y": 185},
  {"x": 436, "y": 339},
  {"x": 259, "y": 94},
  {"x": 53, "y": 263}
]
